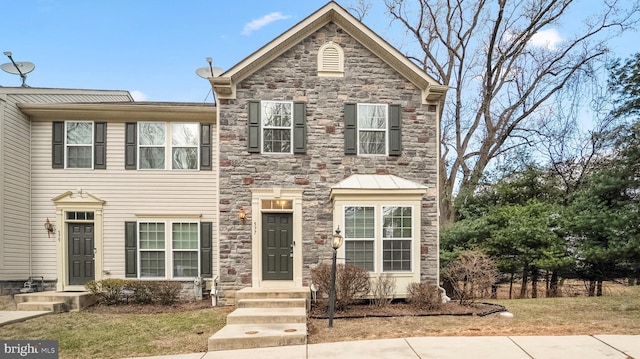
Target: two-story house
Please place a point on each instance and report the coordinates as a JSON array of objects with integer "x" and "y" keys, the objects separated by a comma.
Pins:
[{"x": 326, "y": 127}]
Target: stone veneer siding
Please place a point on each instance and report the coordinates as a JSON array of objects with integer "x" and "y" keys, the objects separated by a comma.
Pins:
[{"x": 293, "y": 77}]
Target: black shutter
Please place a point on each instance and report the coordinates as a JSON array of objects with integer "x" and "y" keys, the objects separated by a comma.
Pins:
[
  {"x": 205, "y": 147},
  {"x": 206, "y": 266},
  {"x": 100, "y": 146},
  {"x": 57, "y": 145},
  {"x": 350, "y": 129},
  {"x": 130, "y": 144},
  {"x": 395, "y": 130},
  {"x": 131, "y": 249},
  {"x": 299, "y": 127},
  {"x": 253, "y": 135}
]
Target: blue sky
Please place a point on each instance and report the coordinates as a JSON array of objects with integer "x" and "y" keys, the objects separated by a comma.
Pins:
[{"x": 149, "y": 47}]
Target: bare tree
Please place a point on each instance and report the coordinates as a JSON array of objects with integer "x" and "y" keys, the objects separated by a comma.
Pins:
[{"x": 504, "y": 62}]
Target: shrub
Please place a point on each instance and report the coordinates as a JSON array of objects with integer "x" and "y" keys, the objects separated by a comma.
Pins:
[
  {"x": 424, "y": 295},
  {"x": 382, "y": 290},
  {"x": 142, "y": 291},
  {"x": 472, "y": 274},
  {"x": 107, "y": 291},
  {"x": 352, "y": 282},
  {"x": 166, "y": 292}
]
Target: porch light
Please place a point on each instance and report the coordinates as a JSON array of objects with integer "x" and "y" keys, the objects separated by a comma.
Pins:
[
  {"x": 335, "y": 244},
  {"x": 49, "y": 227},
  {"x": 242, "y": 215}
]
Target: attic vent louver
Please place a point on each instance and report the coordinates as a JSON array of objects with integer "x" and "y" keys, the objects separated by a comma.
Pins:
[{"x": 330, "y": 60}]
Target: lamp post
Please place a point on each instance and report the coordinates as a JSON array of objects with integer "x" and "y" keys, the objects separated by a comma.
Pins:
[{"x": 335, "y": 244}]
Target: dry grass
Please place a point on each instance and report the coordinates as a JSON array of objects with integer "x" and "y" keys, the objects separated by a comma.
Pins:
[
  {"x": 615, "y": 314},
  {"x": 118, "y": 332}
]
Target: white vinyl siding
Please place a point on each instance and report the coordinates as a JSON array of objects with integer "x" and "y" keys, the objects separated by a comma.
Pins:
[
  {"x": 23, "y": 240},
  {"x": 127, "y": 194}
]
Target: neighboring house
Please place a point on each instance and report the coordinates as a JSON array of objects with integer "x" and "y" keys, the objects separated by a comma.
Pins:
[
  {"x": 129, "y": 188},
  {"x": 325, "y": 127}
]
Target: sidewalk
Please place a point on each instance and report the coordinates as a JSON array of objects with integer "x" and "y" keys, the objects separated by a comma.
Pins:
[{"x": 512, "y": 347}]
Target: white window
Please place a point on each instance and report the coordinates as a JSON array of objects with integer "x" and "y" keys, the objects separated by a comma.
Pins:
[
  {"x": 372, "y": 129},
  {"x": 379, "y": 237},
  {"x": 178, "y": 248},
  {"x": 359, "y": 236},
  {"x": 152, "y": 145},
  {"x": 79, "y": 144},
  {"x": 152, "y": 140},
  {"x": 184, "y": 146},
  {"x": 277, "y": 126},
  {"x": 397, "y": 238}
]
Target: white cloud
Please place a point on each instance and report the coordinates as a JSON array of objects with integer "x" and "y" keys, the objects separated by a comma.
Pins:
[
  {"x": 138, "y": 95},
  {"x": 548, "y": 39},
  {"x": 257, "y": 24}
]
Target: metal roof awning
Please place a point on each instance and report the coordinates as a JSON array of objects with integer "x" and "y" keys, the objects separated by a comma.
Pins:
[{"x": 388, "y": 184}]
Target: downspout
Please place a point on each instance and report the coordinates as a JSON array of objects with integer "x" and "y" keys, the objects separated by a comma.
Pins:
[{"x": 30, "y": 201}]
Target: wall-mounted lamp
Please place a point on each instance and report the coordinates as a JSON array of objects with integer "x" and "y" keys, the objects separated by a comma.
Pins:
[
  {"x": 242, "y": 215},
  {"x": 49, "y": 227}
]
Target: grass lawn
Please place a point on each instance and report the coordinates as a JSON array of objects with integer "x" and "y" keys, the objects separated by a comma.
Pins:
[
  {"x": 112, "y": 334},
  {"x": 618, "y": 313}
]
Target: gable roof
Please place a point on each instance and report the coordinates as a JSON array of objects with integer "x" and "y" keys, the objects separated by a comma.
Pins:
[{"x": 224, "y": 85}]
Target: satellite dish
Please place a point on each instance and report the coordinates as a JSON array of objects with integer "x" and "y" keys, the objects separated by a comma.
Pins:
[
  {"x": 17, "y": 68},
  {"x": 206, "y": 72},
  {"x": 20, "y": 68}
]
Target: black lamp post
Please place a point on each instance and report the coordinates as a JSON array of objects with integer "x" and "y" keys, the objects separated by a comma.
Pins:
[{"x": 335, "y": 244}]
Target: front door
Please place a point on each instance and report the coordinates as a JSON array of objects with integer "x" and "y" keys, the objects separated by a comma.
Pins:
[
  {"x": 277, "y": 246},
  {"x": 80, "y": 253}
]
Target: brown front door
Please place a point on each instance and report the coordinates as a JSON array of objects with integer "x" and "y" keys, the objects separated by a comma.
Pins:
[
  {"x": 277, "y": 246},
  {"x": 81, "y": 253}
]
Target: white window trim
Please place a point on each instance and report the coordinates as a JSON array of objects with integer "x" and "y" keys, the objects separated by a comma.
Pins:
[
  {"x": 375, "y": 232},
  {"x": 168, "y": 250},
  {"x": 385, "y": 130},
  {"x": 168, "y": 147},
  {"x": 170, "y": 142},
  {"x": 67, "y": 145},
  {"x": 263, "y": 128},
  {"x": 383, "y": 239},
  {"x": 378, "y": 240}
]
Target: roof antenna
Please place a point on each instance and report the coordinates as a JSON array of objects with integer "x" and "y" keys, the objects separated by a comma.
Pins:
[{"x": 21, "y": 68}]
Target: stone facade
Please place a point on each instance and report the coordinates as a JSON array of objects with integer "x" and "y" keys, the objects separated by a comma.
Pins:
[{"x": 293, "y": 77}]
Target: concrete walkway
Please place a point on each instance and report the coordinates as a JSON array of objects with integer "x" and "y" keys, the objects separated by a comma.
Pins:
[
  {"x": 512, "y": 347},
  {"x": 14, "y": 316}
]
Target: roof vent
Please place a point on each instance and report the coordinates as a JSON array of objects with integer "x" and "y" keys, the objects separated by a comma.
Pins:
[{"x": 330, "y": 60}]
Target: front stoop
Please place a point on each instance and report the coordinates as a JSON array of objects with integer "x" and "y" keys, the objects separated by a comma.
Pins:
[
  {"x": 264, "y": 318},
  {"x": 54, "y": 301}
]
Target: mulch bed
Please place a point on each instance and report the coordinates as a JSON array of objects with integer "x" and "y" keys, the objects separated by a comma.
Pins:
[{"x": 401, "y": 308}]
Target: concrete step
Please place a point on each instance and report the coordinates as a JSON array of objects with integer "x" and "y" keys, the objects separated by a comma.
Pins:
[
  {"x": 74, "y": 301},
  {"x": 264, "y": 293},
  {"x": 245, "y": 336},
  {"x": 267, "y": 316},
  {"x": 53, "y": 307},
  {"x": 272, "y": 303}
]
